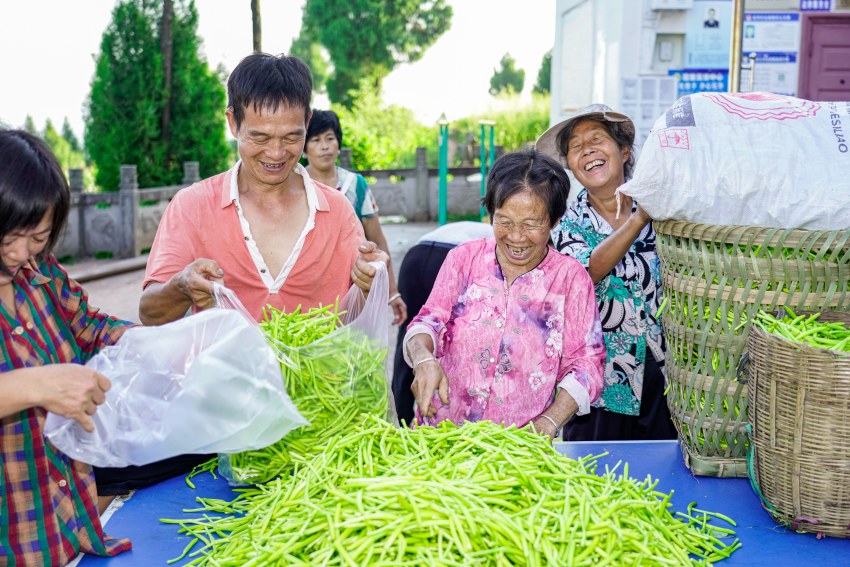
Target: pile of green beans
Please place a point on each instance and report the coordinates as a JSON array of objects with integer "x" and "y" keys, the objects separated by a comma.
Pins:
[
  {"x": 806, "y": 329},
  {"x": 335, "y": 375},
  {"x": 480, "y": 494}
]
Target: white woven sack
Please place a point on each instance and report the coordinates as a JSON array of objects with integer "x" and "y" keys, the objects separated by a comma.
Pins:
[{"x": 753, "y": 159}]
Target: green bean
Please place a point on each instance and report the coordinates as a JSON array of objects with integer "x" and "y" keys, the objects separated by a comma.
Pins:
[
  {"x": 808, "y": 330},
  {"x": 480, "y": 494},
  {"x": 334, "y": 375}
]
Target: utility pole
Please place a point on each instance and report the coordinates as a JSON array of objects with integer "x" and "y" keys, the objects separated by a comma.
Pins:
[{"x": 258, "y": 28}]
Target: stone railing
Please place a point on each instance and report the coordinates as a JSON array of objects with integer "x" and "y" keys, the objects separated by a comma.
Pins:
[
  {"x": 123, "y": 224},
  {"x": 118, "y": 224}
]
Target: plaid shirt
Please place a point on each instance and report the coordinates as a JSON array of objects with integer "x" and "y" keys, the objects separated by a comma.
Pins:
[{"x": 48, "y": 502}]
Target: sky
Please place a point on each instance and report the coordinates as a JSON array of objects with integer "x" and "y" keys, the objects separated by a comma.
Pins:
[{"x": 48, "y": 50}]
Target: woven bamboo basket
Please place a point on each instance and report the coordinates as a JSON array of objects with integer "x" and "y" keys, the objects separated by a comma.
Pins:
[
  {"x": 715, "y": 279},
  {"x": 800, "y": 440}
]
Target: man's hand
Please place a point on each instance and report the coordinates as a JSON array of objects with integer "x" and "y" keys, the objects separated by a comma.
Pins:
[
  {"x": 429, "y": 377},
  {"x": 362, "y": 274},
  {"x": 196, "y": 280},
  {"x": 72, "y": 391}
]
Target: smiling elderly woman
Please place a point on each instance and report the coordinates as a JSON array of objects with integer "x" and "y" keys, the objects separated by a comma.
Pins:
[
  {"x": 614, "y": 240},
  {"x": 510, "y": 332}
]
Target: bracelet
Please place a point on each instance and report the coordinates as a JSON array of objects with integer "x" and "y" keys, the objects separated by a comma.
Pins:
[
  {"x": 553, "y": 422},
  {"x": 424, "y": 360},
  {"x": 394, "y": 297}
]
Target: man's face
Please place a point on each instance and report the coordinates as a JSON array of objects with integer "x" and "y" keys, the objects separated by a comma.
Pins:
[{"x": 269, "y": 143}]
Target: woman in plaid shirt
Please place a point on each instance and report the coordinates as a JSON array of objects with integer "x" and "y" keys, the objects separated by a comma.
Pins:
[{"x": 48, "y": 502}]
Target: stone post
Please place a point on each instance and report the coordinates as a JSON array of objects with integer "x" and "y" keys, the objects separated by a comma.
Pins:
[
  {"x": 422, "y": 203},
  {"x": 191, "y": 172},
  {"x": 75, "y": 179},
  {"x": 345, "y": 158},
  {"x": 129, "y": 191}
]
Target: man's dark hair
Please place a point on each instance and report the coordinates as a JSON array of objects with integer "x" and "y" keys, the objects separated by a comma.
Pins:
[
  {"x": 31, "y": 184},
  {"x": 268, "y": 82},
  {"x": 528, "y": 170},
  {"x": 617, "y": 130},
  {"x": 322, "y": 121}
]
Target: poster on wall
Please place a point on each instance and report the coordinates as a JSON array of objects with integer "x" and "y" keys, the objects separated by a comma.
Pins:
[
  {"x": 708, "y": 35},
  {"x": 644, "y": 100},
  {"x": 774, "y": 38}
]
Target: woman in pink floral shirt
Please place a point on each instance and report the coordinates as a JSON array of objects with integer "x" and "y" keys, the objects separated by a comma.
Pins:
[{"x": 510, "y": 332}]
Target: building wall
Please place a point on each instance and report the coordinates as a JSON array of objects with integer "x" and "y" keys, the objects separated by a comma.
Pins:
[{"x": 610, "y": 51}]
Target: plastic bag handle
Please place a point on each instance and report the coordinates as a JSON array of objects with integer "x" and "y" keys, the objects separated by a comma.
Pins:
[{"x": 225, "y": 298}]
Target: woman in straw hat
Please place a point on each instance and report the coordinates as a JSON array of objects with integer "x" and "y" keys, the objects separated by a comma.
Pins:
[{"x": 613, "y": 238}]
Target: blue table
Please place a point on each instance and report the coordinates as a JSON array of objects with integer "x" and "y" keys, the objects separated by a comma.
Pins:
[{"x": 764, "y": 542}]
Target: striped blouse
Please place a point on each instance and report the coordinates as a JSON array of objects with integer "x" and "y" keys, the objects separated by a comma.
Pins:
[{"x": 48, "y": 502}]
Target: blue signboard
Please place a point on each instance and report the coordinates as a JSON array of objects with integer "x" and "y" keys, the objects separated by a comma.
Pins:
[
  {"x": 815, "y": 5},
  {"x": 690, "y": 81}
]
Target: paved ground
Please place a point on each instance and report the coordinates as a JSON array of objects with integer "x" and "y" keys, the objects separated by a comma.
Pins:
[{"x": 119, "y": 294}]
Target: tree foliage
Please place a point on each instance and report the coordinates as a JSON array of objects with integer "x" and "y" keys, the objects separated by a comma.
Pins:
[
  {"x": 507, "y": 78},
  {"x": 383, "y": 136},
  {"x": 29, "y": 125},
  {"x": 544, "y": 75},
  {"x": 518, "y": 124},
  {"x": 366, "y": 39},
  {"x": 128, "y": 94},
  {"x": 70, "y": 137},
  {"x": 308, "y": 49},
  {"x": 67, "y": 156}
]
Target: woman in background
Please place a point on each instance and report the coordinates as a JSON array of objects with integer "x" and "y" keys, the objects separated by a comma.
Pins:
[{"x": 324, "y": 140}]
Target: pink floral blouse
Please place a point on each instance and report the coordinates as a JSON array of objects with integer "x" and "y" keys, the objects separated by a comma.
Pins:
[{"x": 504, "y": 348}]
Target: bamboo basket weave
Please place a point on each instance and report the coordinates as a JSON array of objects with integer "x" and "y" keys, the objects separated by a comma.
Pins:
[
  {"x": 715, "y": 279},
  {"x": 800, "y": 439}
]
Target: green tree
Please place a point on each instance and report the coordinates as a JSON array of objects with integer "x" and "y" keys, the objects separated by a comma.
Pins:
[
  {"x": 124, "y": 114},
  {"x": 29, "y": 126},
  {"x": 307, "y": 48},
  {"x": 366, "y": 39},
  {"x": 507, "y": 78},
  {"x": 70, "y": 137},
  {"x": 365, "y": 128},
  {"x": 67, "y": 156},
  {"x": 518, "y": 124},
  {"x": 544, "y": 75}
]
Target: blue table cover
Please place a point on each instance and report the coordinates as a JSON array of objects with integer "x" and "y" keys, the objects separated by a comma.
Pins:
[{"x": 764, "y": 541}]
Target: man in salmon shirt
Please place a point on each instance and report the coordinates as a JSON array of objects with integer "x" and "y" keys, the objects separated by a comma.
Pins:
[{"x": 264, "y": 228}]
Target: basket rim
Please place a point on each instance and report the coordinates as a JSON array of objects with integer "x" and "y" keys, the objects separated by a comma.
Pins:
[
  {"x": 757, "y": 333},
  {"x": 732, "y": 233}
]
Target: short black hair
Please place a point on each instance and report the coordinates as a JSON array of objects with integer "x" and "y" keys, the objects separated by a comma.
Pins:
[
  {"x": 617, "y": 130},
  {"x": 31, "y": 184},
  {"x": 528, "y": 170},
  {"x": 322, "y": 121},
  {"x": 269, "y": 82}
]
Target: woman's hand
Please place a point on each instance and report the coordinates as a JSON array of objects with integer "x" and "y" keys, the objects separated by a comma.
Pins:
[
  {"x": 72, "y": 391},
  {"x": 642, "y": 216},
  {"x": 428, "y": 378},
  {"x": 399, "y": 309},
  {"x": 545, "y": 427}
]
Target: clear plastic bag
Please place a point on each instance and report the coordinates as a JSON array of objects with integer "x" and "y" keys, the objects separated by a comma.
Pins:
[
  {"x": 204, "y": 384},
  {"x": 336, "y": 381}
]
